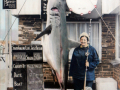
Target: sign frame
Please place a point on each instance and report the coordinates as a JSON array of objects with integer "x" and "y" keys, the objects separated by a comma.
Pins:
[
  {"x": 22, "y": 56},
  {"x": 9, "y": 4}
]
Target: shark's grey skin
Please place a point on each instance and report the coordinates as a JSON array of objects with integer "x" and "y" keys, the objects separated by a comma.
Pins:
[
  {"x": 56, "y": 45},
  {"x": 57, "y": 42}
]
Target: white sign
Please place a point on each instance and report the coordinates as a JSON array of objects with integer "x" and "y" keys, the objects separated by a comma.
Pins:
[{"x": 81, "y": 6}]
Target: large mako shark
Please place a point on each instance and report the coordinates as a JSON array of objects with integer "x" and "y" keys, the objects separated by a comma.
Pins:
[{"x": 56, "y": 44}]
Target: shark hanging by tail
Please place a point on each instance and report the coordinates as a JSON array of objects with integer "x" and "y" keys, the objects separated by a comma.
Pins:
[{"x": 56, "y": 44}]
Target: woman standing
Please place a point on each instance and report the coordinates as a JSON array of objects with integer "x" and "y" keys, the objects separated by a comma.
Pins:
[{"x": 79, "y": 63}]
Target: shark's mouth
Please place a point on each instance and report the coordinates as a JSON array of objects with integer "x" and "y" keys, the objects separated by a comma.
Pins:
[{"x": 56, "y": 11}]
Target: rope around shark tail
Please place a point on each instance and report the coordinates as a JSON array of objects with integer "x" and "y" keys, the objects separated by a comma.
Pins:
[
  {"x": 54, "y": 73},
  {"x": 59, "y": 81}
]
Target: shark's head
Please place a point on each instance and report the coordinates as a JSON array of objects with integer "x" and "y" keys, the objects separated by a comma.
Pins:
[{"x": 55, "y": 12}]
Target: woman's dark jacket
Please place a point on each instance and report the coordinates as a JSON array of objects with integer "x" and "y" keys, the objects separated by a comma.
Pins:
[{"x": 77, "y": 67}]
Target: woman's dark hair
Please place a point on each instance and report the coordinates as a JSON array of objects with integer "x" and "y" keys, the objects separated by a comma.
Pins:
[{"x": 84, "y": 36}]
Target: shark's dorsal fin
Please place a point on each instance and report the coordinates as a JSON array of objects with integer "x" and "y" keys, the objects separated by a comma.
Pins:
[
  {"x": 72, "y": 43},
  {"x": 46, "y": 31}
]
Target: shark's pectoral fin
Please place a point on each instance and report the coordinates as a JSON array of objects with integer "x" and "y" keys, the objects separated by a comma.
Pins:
[
  {"x": 73, "y": 44},
  {"x": 46, "y": 31}
]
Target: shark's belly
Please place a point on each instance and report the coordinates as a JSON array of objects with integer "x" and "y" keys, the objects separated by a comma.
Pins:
[{"x": 57, "y": 50}]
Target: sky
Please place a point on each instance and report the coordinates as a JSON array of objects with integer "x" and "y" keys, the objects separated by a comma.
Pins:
[{"x": 2, "y": 24}]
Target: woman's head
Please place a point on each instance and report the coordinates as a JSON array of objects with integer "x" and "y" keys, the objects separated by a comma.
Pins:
[{"x": 84, "y": 38}]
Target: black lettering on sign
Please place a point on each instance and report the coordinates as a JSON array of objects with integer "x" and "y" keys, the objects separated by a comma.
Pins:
[
  {"x": 27, "y": 47},
  {"x": 37, "y": 56},
  {"x": 19, "y": 56},
  {"x": 34, "y": 77},
  {"x": 19, "y": 75}
]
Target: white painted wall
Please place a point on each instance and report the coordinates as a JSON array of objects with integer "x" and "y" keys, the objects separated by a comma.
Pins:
[
  {"x": 110, "y": 6},
  {"x": 31, "y": 7},
  {"x": 3, "y": 74}
]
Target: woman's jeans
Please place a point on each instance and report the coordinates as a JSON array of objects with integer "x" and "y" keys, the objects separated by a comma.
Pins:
[{"x": 79, "y": 84}]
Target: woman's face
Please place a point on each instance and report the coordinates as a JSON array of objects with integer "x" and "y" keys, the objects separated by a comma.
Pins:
[{"x": 83, "y": 41}]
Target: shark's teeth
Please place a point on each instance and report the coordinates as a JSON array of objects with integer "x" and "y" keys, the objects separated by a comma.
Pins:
[{"x": 53, "y": 13}]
